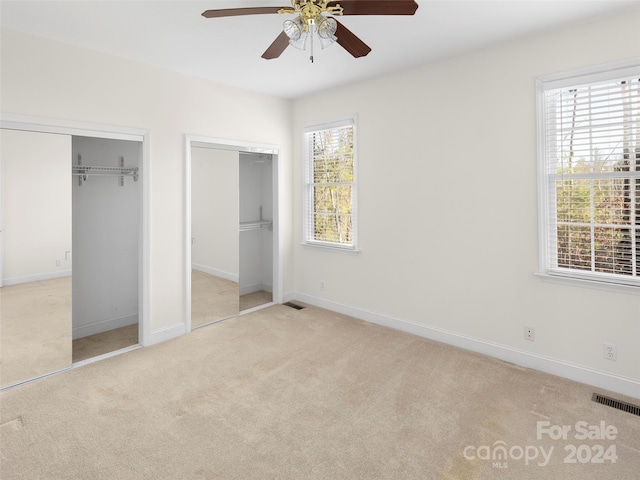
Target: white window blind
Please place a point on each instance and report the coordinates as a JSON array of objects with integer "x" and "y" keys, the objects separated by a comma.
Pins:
[
  {"x": 330, "y": 185},
  {"x": 591, "y": 176}
]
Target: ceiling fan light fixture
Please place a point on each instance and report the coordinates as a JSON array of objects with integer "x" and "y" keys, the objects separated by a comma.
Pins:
[
  {"x": 326, "y": 28},
  {"x": 301, "y": 42},
  {"x": 296, "y": 30}
]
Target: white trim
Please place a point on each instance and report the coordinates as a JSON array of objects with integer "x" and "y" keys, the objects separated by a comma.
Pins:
[
  {"x": 167, "y": 333},
  {"x": 256, "y": 287},
  {"x": 574, "y": 281},
  {"x": 329, "y": 247},
  {"x": 69, "y": 127},
  {"x": 591, "y": 74},
  {"x": 201, "y": 141},
  {"x": 336, "y": 122},
  {"x": 214, "y": 271},
  {"x": 545, "y": 83},
  {"x": 38, "y": 277},
  {"x": 615, "y": 383},
  {"x": 144, "y": 301}
]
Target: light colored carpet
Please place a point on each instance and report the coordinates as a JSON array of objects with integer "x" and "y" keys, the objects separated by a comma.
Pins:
[
  {"x": 105, "y": 342},
  {"x": 35, "y": 329},
  {"x": 302, "y": 394},
  {"x": 254, "y": 299},
  {"x": 212, "y": 298}
]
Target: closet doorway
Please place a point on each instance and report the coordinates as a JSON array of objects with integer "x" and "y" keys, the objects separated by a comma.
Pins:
[
  {"x": 74, "y": 245},
  {"x": 233, "y": 255},
  {"x": 106, "y": 245}
]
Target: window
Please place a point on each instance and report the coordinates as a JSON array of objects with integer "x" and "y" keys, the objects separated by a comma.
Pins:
[
  {"x": 590, "y": 175},
  {"x": 330, "y": 185}
]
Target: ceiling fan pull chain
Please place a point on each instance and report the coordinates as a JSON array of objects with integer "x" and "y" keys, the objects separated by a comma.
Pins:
[{"x": 311, "y": 39}]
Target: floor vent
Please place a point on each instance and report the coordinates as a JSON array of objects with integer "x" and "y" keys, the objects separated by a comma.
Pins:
[
  {"x": 293, "y": 305},
  {"x": 617, "y": 404}
]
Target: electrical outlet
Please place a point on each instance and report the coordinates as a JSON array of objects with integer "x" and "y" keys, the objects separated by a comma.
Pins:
[
  {"x": 610, "y": 351},
  {"x": 321, "y": 284},
  {"x": 58, "y": 263},
  {"x": 530, "y": 334}
]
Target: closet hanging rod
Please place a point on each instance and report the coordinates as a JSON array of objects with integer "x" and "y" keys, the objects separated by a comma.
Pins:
[
  {"x": 259, "y": 154},
  {"x": 83, "y": 171}
]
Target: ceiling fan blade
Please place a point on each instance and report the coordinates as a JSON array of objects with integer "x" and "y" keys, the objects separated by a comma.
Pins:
[
  {"x": 376, "y": 7},
  {"x": 277, "y": 47},
  {"x": 233, "y": 12},
  {"x": 350, "y": 42}
]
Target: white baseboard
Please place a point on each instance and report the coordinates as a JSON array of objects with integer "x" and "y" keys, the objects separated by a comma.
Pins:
[
  {"x": 256, "y": 287},
  {"x": 38, "y": 277},
  {"x": 234, "y": 277},
  {"x": 80, "y": 331},
  {"x": 553, "y": 366},
  {"x": 168, "y": 333}
]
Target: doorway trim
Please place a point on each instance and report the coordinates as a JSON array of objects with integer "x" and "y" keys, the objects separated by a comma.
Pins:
[
  {"x": 240, "y": 146},
  {"x": 85, "y": 129}
]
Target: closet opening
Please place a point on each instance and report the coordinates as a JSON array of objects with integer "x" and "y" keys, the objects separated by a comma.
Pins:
[
  {"x": 106, "y": 245},
  {"x": 256, "y": 229},
  {"x": 233, "y": 253},
  {"x": 74, "y": 244}
]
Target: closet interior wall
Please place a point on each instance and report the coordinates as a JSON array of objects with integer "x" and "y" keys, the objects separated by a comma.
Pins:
[
  {"x": 256, "y": 209},
  {"x": 106, "y": 237}
]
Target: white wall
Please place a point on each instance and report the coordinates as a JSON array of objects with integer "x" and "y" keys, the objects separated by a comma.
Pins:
[
  {"x": 448, "y": 209},
  {"x": 452, "y": 144},
  {"x": 36, "y": 206},
  {"x": 214, "y": 212},
  {"x": 106, "y": 238},
  {"x": 48, "y": 79}
]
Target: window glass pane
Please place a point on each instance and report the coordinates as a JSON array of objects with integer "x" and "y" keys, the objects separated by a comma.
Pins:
[
  {"x": 332, "y": 219},
  {"x": 331, "y": 227},
  {"x": 573, "y": 201},
  {"x": 333, "y": 199},
  {"x": 333, "y": 155},
  {"x": 592, "y": 164},
  {"x": 612, "y": 201},
  {"x": 574, "y": 247},
  {"x": 331, "y": 177},
  {"x": 613, "y": 250},
  {"x": 595, "y": 126}
]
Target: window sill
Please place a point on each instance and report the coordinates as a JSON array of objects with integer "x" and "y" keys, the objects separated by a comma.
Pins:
[
  {"x": 581, "y": 282},
  {"x": 331, "y": 248}
]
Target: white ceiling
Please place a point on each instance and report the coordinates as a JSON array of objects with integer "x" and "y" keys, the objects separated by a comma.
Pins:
[{"x": 172, "y": 34}]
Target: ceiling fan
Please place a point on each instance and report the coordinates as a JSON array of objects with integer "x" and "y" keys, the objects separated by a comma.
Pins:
[{"x": 311, "y": 18}]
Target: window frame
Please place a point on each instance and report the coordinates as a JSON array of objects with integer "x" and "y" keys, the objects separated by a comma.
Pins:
[
  {"x": 547, "y": 218},
  {"x": 307, "y": 185}
]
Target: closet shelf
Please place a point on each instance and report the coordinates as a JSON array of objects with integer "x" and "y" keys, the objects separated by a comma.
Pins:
[
  {"x": 84, "y": 171},
  {"x": 255, "y": 225}
]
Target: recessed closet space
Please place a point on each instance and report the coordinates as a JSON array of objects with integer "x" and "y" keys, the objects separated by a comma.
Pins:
[
  {"x": 70, "y": 249},
  {"x": 233, "y": 254},
  {"x": 106, "y": 244},
  {"x": 256, "y": 229}
]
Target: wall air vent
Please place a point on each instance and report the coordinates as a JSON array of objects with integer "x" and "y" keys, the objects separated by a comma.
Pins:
[{"x": 617, "y": 404}]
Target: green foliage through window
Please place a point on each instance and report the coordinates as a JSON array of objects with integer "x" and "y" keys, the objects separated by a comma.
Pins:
[
  {"x": 330, "y": 186},
  {"x": 593, "y": 165}
]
